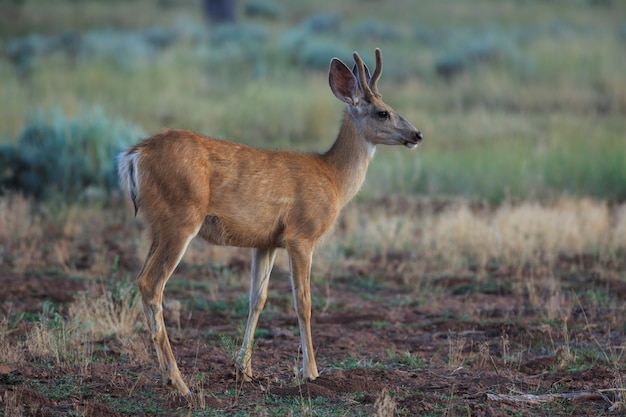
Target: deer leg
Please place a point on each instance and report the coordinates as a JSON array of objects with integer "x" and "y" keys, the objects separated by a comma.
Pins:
[
  {"x": 163, "y": 257},
  {"x": 262, "y": 262},
  {"x": 300, "y": 264}
]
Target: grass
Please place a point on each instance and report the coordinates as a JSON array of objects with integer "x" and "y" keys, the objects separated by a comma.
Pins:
[
  {"x": 542, "y": 120},
  {"x": 516, "y": 255},
  {"x": 101, "y": 327}
]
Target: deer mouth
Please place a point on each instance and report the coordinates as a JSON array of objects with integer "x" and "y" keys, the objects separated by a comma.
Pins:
[{"x": 414, "y": 141}]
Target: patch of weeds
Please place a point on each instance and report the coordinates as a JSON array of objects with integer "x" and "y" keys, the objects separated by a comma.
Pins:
[
  {"x": 381, "y": 325},
  {"x": 405, "y": 359},
  {"x": 318, "y": 302},
  {"x": 366, "y": 283},
  {"x": 262, "y": 333},
  {"x": 446, "y": 316},
  {"x": 464, "y": 318},
  {"x": 240, "y": 307},
  {"x": 197, "y": 401},
  {"x": 229, "y": 344},
  {"x": 58, "y": 341},
  {"x": 137, "y": 403},
  {"x": 10, "y": 379},
  {"x": 181, "y": 285},
  {"x": 115, "y": 314},
  {"x": 407, "y": 300},
  {"x": 456, "y": 345},
  {"x": 24, "y": 316},
  {"x": 422, "y": 324},
  {"x": 356, "y": 362},
  {"x": 210, "y": 412},
  {"x": 9, "y": 352},
  {"x": 583, "y": 359},
  {"x": 59, "y": 389},
  {"x": 302, "y": 406},
  {"x": 551, "y": 322},
  {"x": 489, "y": 287},
  {"x": 369, "y": 296},
  {"x": 236, "y": 308},
  {"x": 597, "y": 296},
  {"x": 202, "y": 304}
]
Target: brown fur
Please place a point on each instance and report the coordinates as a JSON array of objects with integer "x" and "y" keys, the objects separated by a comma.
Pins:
[{"x": 188, "y": 185}]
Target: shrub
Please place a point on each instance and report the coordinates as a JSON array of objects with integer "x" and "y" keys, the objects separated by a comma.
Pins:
[
  {"x": 22, "y": 52},
  {"x": 236, "y": 51},
  {"x": 426, "y": 36},
  {"x": 125, "y": 49},
  {"x": 316, "y": 54},
  {"x": 323, "y": 23},
  {"x": 57, "y": 156},
  {"x": 476, "y": 50},
  {"x": 311, "y": 51},
  {"x": 263, "y": 9},
  {"x": 225, "y": 35},
  {"x": 376, "y": 30}
]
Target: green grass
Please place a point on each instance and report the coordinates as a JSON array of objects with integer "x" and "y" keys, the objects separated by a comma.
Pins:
[
  {"x": 406, "y": 360},
  {"x": 542, "y": 118}
]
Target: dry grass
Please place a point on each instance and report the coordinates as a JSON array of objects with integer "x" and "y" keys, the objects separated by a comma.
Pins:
[
  {"x": 21, "y": 233},
  {"x": 67, "y": 339},
  {"x": 58, "y": 341},
  {"x": 456, "y": 345},
  {"x": 518, "y": 236},
  {"x": 433, "y": 246},
  {"x": 44, "y": 236},
  {"x": 514, "y": 235},
  {"x": 525, "y": 234},
  {"x": 108, "y": 313},
  {"x": 9, "y": 353},
  {"x": 525, "y": 239},
  {"x": 385, "y": 405}
]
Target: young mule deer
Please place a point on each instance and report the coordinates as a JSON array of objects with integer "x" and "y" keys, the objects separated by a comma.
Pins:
[{"x": 188, "y": 185}]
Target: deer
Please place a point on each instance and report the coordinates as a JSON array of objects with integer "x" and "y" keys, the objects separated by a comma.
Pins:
[{"x": 185, "y": 185}]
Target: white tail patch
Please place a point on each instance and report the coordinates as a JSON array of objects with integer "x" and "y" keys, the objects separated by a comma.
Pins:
[{"x": 127, "y": 171}]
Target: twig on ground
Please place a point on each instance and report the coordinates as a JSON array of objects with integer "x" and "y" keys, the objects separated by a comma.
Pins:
[{"x": 592, "y": 394}]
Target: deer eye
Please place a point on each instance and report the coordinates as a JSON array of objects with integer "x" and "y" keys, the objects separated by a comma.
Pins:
[{"x": 383, "y": 115}]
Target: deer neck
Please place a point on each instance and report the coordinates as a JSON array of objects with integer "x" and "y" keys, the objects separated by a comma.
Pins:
[{"x": 348, "y": 159}]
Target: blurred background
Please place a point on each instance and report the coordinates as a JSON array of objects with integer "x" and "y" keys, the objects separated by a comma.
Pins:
[{"x": 517, "y": 99}]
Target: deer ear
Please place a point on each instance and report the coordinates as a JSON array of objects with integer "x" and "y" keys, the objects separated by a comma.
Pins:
[{"x": 342, "y": 82}]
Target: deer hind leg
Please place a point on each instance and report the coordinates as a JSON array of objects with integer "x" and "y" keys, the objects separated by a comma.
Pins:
[
  {"x": 262, "y": 263},
  {"x": 300, "y": 263},
  {"x": 163, "y": 257}
]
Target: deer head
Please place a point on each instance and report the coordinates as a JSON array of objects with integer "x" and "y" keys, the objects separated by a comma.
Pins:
[{"x": 375, "y": 120}]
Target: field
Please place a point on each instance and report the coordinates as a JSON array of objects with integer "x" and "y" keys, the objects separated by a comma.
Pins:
[{"x": 483, "y": 274}]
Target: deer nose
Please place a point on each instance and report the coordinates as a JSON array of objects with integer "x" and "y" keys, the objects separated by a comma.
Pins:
[{"x": 418, "y": 135}]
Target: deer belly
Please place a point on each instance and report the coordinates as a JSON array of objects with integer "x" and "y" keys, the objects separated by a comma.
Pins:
[{"x": 241, "y": 233}]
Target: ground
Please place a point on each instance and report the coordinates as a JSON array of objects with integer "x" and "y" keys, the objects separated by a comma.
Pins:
[{"x": 382, "y": 347}]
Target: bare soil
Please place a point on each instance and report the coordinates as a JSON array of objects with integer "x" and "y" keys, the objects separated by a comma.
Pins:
[{"x": 440, "y": 349}]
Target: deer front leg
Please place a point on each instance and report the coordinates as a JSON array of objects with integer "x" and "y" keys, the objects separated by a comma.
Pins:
[
  {"x": 262, "y": 263},
  {"x": 300, "y": 255}
]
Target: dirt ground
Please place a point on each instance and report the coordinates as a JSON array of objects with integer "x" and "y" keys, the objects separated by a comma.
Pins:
[{"x": 449, "y": 348}]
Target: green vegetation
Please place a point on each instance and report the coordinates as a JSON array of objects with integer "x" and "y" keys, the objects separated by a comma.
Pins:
[
  {"x": 65, "y": 159},
  {"x": 517, "y": 100},
  {"x": 508, "y": 277}
]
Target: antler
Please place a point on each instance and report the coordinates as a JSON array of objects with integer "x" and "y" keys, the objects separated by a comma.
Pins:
[
  {"x": 369, "y": 89},
  {"x": 377, "y": 71},
  {"x": 367, "y": 92}
]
